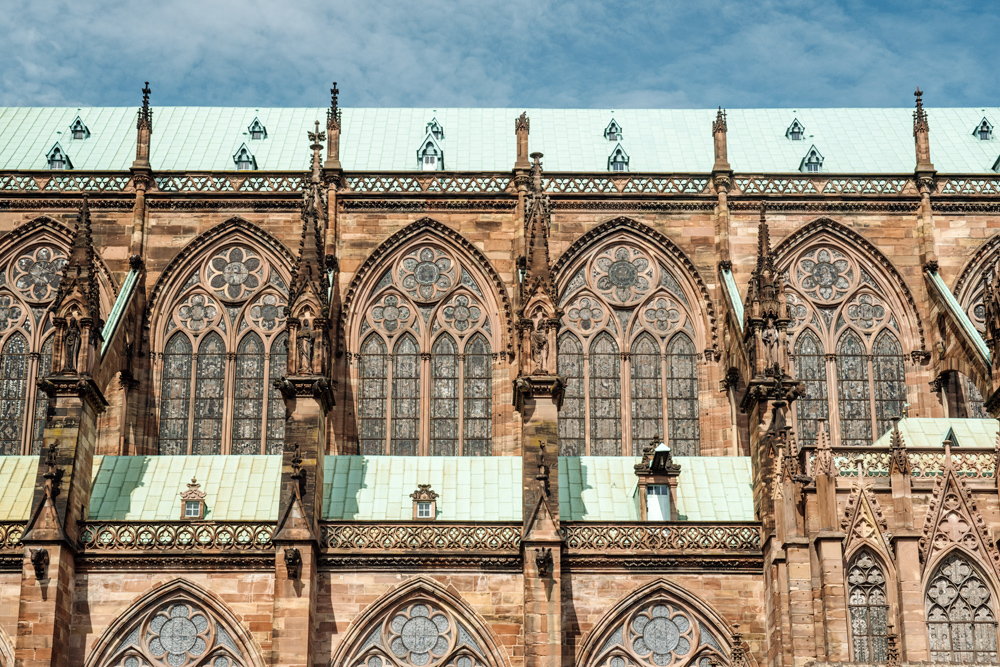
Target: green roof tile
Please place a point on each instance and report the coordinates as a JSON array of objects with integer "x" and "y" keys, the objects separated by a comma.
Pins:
[
  {"x": 17, "y": 484},
  {"x": 930, "y": 432}
]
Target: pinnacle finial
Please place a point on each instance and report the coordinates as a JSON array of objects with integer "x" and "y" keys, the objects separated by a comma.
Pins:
[
  {"x": 333, "y": 113},
  {"x": 334, "y": 92},
  {"x": 920, "y": 114},
  {"x": 720, "y": 121},
  {"x": 763, "y": 236},
  {"x": 145, "y": 97}
]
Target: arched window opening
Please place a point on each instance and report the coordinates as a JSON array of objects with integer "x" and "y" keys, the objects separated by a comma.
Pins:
[
  {"x": 210, "y": 365},
  {"x": 890, "y": 381},
  {"x": 868, "y": 607},
  {"x": 605, "y": 397},
  {"x": 13, "y": 392},
  {"x": 572, "y": 419},
  {"x": 428, "y": 309},
  {"x": 647, "y": 393},
  {"x": 682, "y": 389},
  {"x": 275, "y": 403},
  {"x": 248, "y": 407},
  {"x": 175, "y": 397},
  {"x": 961, "y": 621},
  {"x": 629, "y": 354},
  {"x": 810, "y": 369},
  {"x": 853, "y": 391}
]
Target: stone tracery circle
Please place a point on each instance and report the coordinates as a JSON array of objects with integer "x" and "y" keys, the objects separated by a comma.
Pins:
[
  {"x": 420, "y": 634},
  {"x": 622, "y": 273},
  {"x": 36, "y": 274},
  {"x": 825, "y": 274},
  {"x": 426, "y": 273},
  {"x": 235, "y": 272}
]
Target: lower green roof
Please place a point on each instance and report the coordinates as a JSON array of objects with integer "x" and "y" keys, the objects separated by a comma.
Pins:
[
  {"x": 929, "y": 432},
  {"x": 17, "y": 484}
]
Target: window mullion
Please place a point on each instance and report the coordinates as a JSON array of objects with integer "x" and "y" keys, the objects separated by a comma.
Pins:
[
  {"x": 424, "y": 407},
  {"x": 832, "y": 397},
  {"x": 228, "y": 399}
]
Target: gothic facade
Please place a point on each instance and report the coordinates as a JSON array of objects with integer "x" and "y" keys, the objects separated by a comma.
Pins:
[{"x": 400, "y": 392}]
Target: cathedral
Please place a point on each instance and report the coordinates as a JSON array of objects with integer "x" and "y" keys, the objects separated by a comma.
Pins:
[{"x": 348, "y": 387}]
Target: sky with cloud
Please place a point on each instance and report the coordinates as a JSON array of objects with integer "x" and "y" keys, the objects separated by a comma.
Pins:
[{"x": 514, "y": 53}]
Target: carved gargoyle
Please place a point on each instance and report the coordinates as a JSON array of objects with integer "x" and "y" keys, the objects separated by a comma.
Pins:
[
  {"x": 543, "y": 562},
  {"x": 40, "y": 562},
  {"x": 293, "y": 562}
]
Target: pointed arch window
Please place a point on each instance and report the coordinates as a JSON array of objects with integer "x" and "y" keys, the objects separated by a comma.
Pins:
[
  {"x": 961, "y": 616},
  {"x": 618, "y": 160},
  {"x": 224, "y": 340},
  {"x": 845, "y": 333},
  {"x": 430, "y": 157},
  {"x": 244, "y": 159},
  {"x": 79, "y": 129},
  {"x": 796, "y": 131},
  {"x": 810, "y": 369},
  {"x": 868, "y": 608},
  {"x": 257, "y": 130},
  {"x": 13, "y": 390},
  {"x": 983, "y": 131},
  {"x": 613, "y": 132},
  {"x": 812, "y": 162},
  {"x": 628, "y": 353},
  {"x": 425, "y": 364},
  {"x": 58, "y": 159}
]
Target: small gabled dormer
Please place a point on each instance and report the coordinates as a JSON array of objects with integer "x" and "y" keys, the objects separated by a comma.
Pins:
[
  {"x": 613, "y": 132},
  {"x": 796, "y": 131},
  {"x": 257, "y": 130},
  {"x": 430, "y": 156},
  {"x": 57, "y": 158},
  {"x": 996, "y": 165},
  {"x": 244, "y": 159},
  {"x": 812, "y": 162},
  {"x": 983, "y": 131},
  {"x": 435, "y": 129},
  {"x": 618, "y": 160},
  {"x": 79, "y": 130},
  {"x": 950, "y": 437}
]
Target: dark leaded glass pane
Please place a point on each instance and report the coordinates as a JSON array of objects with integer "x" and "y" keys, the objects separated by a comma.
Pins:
[
  {"x": 41, "y": 398},
  {"x": 852, "y": 392},
  {"x": 572, "y": 437},
  {"x": 647, "y": 393},
  {"x": 405, "y": 397},
  {"x": 684, "y": 433},
  {"x": 175, "y": 397},
  {"x": 372, "y": 373},
  {"x": 810, "y": 369},
  {"x": 974, "y": 404},
  {"x": 248, "y": 403},
  {"x": 890, "y": 381},
  {"x": 209, "y": 390},
  {"x": 275, "y": 404},
  {"x": 13, "y": 391},
  {"x": 605, "y": 397},
  {"x": 869, "y": 608},
  {"x": 444, "y": 397},
  {"x": 960, "y": 618},
  {"x": 477, "y": 410}
]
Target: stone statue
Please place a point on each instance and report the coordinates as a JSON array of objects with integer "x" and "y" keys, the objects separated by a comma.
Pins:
[
  {"x": 306, "y": 344},
  {"x": 770, "y": 339},
  {"x": 540, "y": 351},
  {"x": 71, "y": 345}
]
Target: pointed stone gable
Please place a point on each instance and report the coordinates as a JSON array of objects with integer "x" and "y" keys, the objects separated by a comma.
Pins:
[
  {"x": 864, "y": 522},
  {"x": 79, "y": 281}
]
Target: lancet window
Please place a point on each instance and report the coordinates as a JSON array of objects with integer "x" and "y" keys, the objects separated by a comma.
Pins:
[
  {"x": 961, "y": 617},
  {"x": 28, "y": 284},
  {"x": 845, "y": 335},
  {"x": 224, "y": 345},
  {"x": 426, "y": 334},
  {"x": 868, "y": 607},
  {"x": 628, "y": 354}
]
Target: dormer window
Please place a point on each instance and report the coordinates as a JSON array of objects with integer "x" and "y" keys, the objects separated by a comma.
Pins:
[
  {"x": 58, "y": 159},
  {"x": 257, "y": 130},
  {"x": 812, "y": 163},
  {"x": 618, "y": 160},
  {"x": 79, "y": 129},
  {"x": 796, "y": 131},
  {"x": 613, "y": 132},
  {"x": 430, "y": 157},
  {"x": 435, "y": 129},
  {"x": 424, "y": 503},
  {"x": 244, "y": 159},
  {"x": 983, "y": 131},
  {"x": 193, "y": 502}
]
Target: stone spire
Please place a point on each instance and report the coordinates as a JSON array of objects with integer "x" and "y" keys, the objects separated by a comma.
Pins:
[
  {"x": 521, "y": 125},
  {"x": 766, "y": 313},
  {"x": 333, "y": 116},
  {"x": 719, "y": 134},
  {"x": 921, "y": 135},
  {"x": 144, "y": 127}
]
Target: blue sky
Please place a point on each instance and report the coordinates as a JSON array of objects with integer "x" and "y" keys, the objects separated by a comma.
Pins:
[{"x": 516, "y": 53}]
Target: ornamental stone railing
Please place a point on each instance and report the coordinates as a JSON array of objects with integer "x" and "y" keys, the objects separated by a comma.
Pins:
[
  {"x": 177, "y": 535},
  {"x": 10, "y": 534},
  {"x": 974, "y": 463},
  {"x": 408, "y": 536},
  {"x": 659, "y": 537}
]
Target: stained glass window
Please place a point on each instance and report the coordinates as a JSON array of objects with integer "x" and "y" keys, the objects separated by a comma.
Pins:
[
  {"x": 961, "y": 620},
  {"x": 868, "y": 608},
  {"x": 248, "y": 404},
  {"x": 13, "y": 392},
  {"x": 605, "y": 397},
  {"x": 175, "y": 395},
  {"x": 444, "y": 397},
  {"x": 974, "y": 404},
  {"x": 41, "y": 398},
  {"x": 890, "y": 381},
  {"x": 810, "y": 369},
  {"x": 373, "y": 372},
  {"x": 647, "y": 393},
  {"x": 476, "y": 415},
  {"x": 275, "y": 404},
  {"x": 572, "y": 436},
  {"x": 853, "y": 391},
  {"x": 209, "y": 391},
  {"x": 405, "y": 397},
  {"x": 684, "y": 435}
]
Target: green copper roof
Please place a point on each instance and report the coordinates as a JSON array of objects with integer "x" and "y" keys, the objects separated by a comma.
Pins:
[
  {"x": 603, "y": 488},
  {"x": 147, "y": 488},
  {"x": 657, "y": 140},
  {"x": 926, "y": 432},
  {"x": 17, "y": 484}
]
